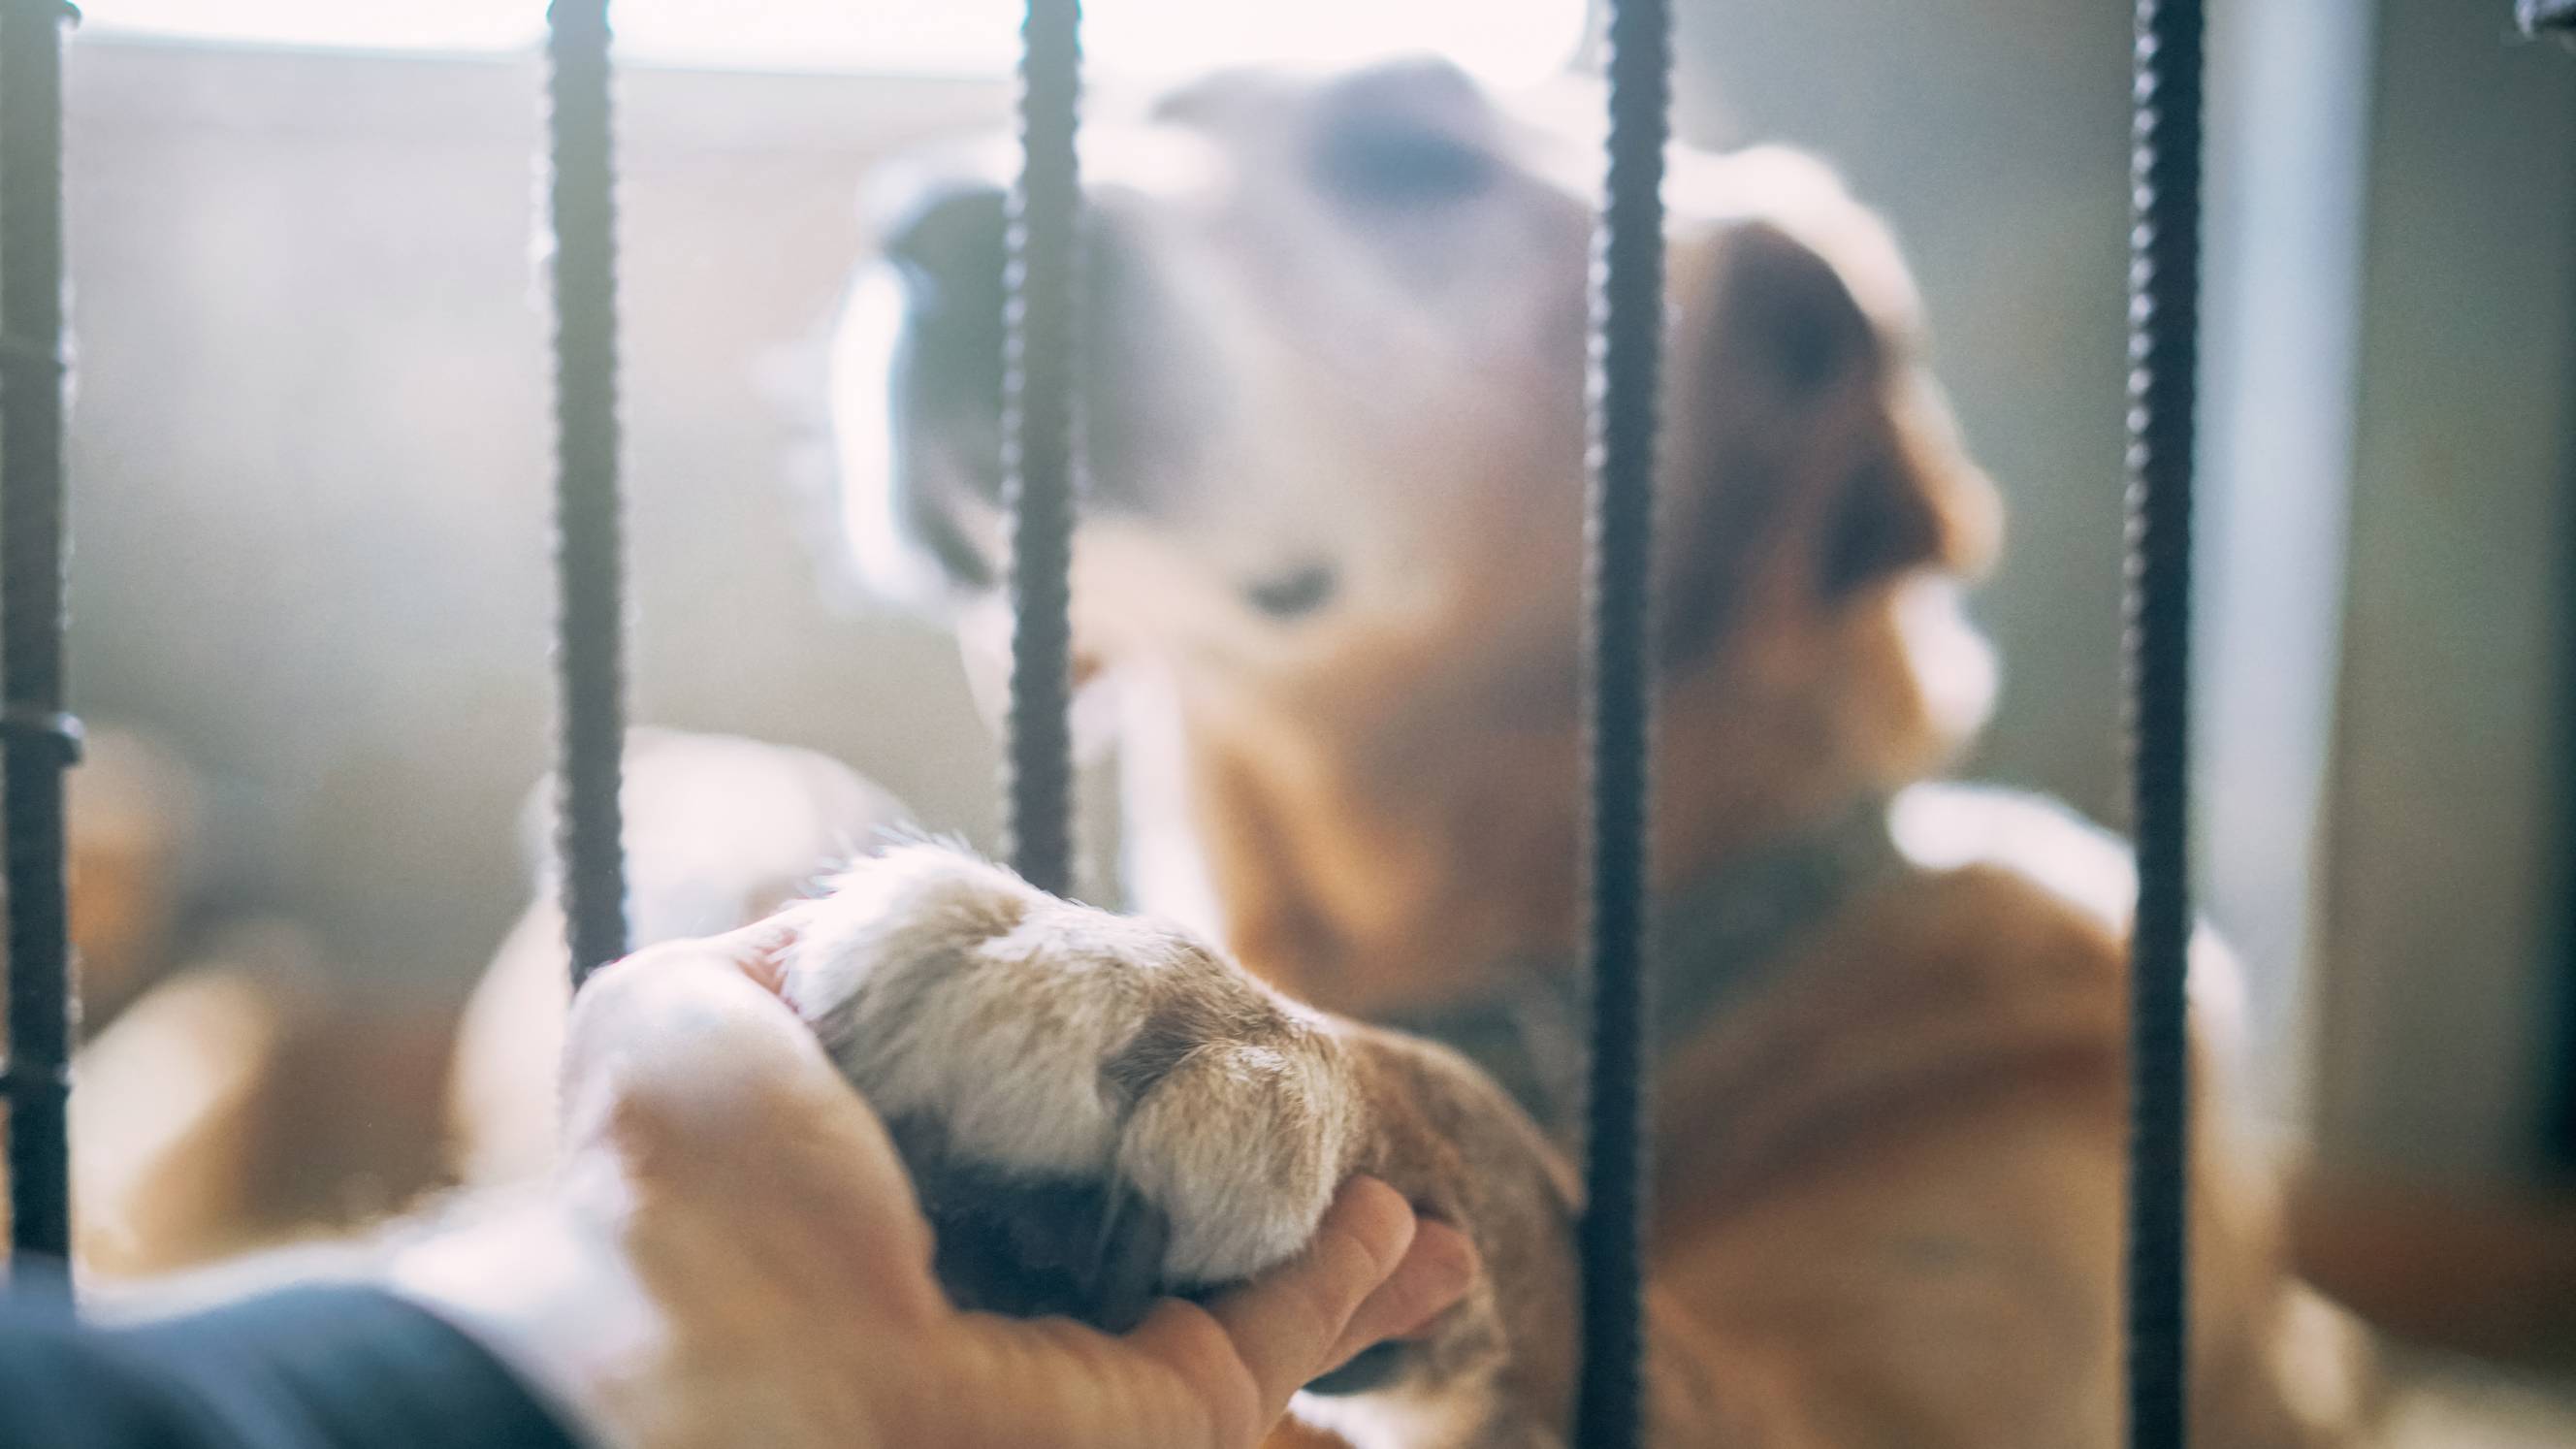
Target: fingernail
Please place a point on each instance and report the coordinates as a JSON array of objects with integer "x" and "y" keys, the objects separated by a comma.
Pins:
[{"x": 1449, "y": 1266}]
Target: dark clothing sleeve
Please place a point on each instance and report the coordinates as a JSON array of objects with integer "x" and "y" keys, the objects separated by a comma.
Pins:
[{"x": 309, "y": 1368}]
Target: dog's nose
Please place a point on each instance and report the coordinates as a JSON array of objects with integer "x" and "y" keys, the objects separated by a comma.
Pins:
[
  {"x": 948, "y": 244},
  {"x": 951, "y": 239},
  {"x": 948, "y": 248}
]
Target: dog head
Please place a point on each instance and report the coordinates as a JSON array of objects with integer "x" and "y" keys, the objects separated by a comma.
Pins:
[{"x": 1333, "y": 382}]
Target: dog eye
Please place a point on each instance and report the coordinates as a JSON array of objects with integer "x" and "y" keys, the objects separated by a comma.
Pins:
[
  {"x": 1390, "y": 162},
  {"x": 1294, "y": 594}
]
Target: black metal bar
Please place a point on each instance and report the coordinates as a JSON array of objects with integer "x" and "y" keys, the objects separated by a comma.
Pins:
[
  {"x": 1039, "y": 431},
  {"x": 37, "y": 739},
  {"x": 2539, "y": 18},
  {"x": 2558, "y": 1122},
  {"x": 1628, "y": 307},
  {"x": 590, "y": 622},
  {"x": 2164, "y": 343}
]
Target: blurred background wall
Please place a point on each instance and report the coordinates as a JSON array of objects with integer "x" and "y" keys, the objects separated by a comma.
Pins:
[{"x": 312, "y": 468}]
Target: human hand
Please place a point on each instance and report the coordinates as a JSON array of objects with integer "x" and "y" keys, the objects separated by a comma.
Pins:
[{"x": 731, "y": 1253}]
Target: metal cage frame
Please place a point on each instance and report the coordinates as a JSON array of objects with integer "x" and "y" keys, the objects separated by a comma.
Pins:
[{"x": 1042, "y": 469}]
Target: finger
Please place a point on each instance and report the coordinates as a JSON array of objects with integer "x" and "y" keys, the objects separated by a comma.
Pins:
[
  {"x": 1277, "y": 1332},
  {"x": 697, "y": 1080},
  {"x": 667, "y": 1004},
  {"x": 758, "y": 950},
  {"x": 686, "y": 1013},
  {"x": 1436, "y": 1272}
]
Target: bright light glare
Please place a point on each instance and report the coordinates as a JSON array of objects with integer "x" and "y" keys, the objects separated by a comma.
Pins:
[
  {"x": 366, "y": 25},
  {"x": 1505, "y": 41}
]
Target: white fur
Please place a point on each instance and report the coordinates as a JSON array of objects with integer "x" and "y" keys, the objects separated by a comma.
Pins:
[
  {"x": 1947, "y": 826},
  {"x": 950, "y": 991}
]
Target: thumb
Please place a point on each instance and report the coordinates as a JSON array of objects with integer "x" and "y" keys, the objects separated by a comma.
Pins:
[
  {"x": 1246, "y": 1352},
  {"x": 685, "y": 1031},
  {"x": 684, "y": 1070}
]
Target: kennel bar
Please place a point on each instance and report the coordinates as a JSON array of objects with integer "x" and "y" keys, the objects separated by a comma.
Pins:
[
  {"x": 38, "y": 738},
  {"x": 2164, "y": 344},
  {"x": 1040, "y": 432},
  {"x": 1625, "y": 382},
  {"x": 590, "y": 622}
]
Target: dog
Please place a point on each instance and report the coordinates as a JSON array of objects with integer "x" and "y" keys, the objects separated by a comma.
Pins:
[
  {"x": 227, "y": 1098},
  {"x": 1326, "y": 588}
]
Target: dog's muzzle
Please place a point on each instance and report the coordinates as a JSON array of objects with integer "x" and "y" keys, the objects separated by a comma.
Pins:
[{"x": 945, "y": 386}]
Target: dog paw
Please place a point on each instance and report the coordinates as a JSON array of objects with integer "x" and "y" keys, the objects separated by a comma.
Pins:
[{"x": 1097, "y": 1109}]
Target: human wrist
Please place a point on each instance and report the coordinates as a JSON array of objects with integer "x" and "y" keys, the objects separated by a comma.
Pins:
[{"x": 548, "y": 1298}]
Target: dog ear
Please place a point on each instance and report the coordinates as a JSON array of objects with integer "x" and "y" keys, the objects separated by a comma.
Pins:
[{"x": 1813, "y": 461}]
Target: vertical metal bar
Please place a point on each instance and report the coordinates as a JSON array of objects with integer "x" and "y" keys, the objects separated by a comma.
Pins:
[
  {"x": 590, "y": 621},
  {"x": 2558, "y": 1123},
  {"x": 2540, "y": 17},
  {"x": 1039, "y": 431},
  {"x": 2164, "y": 341},
  {"x": 1628, "y": 306},
  {"x": 39, "y": 739}
]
